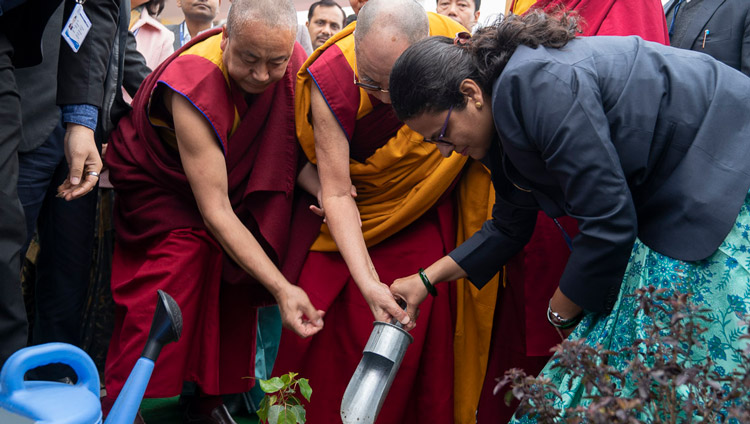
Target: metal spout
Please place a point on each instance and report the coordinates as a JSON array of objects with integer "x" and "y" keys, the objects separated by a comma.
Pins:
[{"x": 369, "y": 386}]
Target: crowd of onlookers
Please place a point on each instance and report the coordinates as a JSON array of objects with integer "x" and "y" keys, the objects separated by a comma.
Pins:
[{"x": 65, "y": 102}]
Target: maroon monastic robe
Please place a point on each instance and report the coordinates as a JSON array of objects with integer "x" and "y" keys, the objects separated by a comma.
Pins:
[
  {"x": 162, "y": 241},
  {"x": 423, "y": 388}
]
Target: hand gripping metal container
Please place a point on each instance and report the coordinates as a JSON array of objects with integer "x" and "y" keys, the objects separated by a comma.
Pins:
[{"x": 374, "y": 375}]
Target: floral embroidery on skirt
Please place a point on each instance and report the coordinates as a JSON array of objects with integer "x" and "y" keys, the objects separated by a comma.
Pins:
[{"x": 719, "y": 283}]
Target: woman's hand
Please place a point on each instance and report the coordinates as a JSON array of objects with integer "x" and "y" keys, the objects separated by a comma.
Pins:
[
  {"x": 413, "y": 292},
  {"x": 383, "y": 305},
  {"x": 566, "y": 332},
  {"x": 565, "y": 308}
]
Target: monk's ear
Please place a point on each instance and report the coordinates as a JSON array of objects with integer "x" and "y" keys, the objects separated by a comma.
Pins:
[
  {"x": 471, "y": 91},
  {"x": 224, "y": 37}
]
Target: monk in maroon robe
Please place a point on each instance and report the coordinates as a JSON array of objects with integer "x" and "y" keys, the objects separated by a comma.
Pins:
[{"x": 205, "y": 169}]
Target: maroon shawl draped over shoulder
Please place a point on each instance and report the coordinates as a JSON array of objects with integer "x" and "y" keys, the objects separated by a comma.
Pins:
[{"x": 262, "y": 158}]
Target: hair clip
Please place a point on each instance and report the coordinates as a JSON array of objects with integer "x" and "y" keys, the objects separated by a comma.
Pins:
[{"x": 462, "y": 38}]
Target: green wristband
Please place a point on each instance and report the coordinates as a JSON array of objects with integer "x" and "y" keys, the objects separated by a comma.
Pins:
[{"x": 430, "y": 288}]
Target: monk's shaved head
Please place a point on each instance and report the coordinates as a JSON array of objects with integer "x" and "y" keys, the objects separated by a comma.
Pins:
[
  {"x": 385, "y": 28},
  {"x": 273, "y": 13},
  {"x": 396, "y": 18}
]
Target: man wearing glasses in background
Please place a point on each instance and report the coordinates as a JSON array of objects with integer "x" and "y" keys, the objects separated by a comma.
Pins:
[
  {"x": 465, "y": 12},
  {"x": 403, "y": 214}
]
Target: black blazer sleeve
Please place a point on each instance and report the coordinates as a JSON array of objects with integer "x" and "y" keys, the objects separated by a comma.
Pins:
[
  {"x": 80, "y": 76},
  {"x": 552, "y": 121},
  {"x": 135, "y": 69},
  {"x": 500, "y": 238}
]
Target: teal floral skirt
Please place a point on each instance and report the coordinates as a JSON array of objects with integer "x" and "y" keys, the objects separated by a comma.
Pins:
[{"x": 719, "y": 283}]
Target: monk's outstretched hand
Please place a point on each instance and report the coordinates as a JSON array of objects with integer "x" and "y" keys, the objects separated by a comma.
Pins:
[
  {"x": 383, "y": 305},
  {"x": 298, "y": 313},
  {"x": 412, "y": 291}
]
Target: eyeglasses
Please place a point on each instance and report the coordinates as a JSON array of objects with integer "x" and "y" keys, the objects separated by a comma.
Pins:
[
  {"x": 439, "y": 140},
  {"x": 369, "y": 87}
]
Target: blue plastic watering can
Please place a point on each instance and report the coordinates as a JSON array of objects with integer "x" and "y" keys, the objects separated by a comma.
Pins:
[{"x": 49, "y": 402}]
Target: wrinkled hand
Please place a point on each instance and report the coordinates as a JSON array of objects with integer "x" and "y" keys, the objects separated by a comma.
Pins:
[
  {"x": 383, "y": 305},
  {"x": 413, "y": 292},
  {"x": 83, "y": 157},
  {"x": 298, "y": 313},
  {"x": 318, "y": 210}
]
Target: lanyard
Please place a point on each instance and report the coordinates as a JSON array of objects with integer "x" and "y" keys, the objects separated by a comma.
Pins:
[{"x": 183, "y": 33}]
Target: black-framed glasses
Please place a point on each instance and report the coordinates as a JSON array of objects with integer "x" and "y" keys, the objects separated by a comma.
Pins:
[
  {"x": 439, "y": 140},
  {"x": 369, "y": 87}
]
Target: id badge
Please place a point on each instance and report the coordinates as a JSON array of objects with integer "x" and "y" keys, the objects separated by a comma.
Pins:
[{"x": 77, "y": 27}]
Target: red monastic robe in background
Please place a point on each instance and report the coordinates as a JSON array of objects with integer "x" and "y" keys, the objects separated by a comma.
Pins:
[
  {"x": 601, "y": 17},
  {"x": 162, "y": 241}
]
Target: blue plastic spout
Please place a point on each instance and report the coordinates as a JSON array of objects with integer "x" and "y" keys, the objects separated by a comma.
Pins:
[{"x": 127, "y": 403}]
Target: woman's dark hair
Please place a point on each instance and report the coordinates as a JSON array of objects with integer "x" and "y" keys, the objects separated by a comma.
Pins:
[{"x": 428, "y": 75}]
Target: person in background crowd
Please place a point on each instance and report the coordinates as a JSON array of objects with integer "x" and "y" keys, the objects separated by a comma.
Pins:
[
  {"x": 653, "y": 168},
  {"x": 324, "y": 18},
  {"x": 356, "y": 5},
  {"x": 65, "y": 229},
  {"x": 720, "y": 28},
  {"x": 465, "y": 12},
  {"x": 80, "y": 90},
  {"x": 208, "y": 210},
  {"x": 349, "y": 19},
  {"x": 199, "y": 16},
  {"x": 405, "y": 199},
  {"x": 155, "y": 42}
]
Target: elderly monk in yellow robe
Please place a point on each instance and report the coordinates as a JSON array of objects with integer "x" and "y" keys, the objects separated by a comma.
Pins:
[{"x": 404, "y": 215}]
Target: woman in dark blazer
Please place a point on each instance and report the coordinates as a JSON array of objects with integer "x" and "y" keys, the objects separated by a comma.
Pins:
[{"x": 646, "y": 146}]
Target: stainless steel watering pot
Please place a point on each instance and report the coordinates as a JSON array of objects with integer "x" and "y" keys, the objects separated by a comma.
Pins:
[{"x": 374, "y": 375}]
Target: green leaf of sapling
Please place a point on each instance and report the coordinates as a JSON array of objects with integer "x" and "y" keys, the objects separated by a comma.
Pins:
[
  {"x": 272, "y": 385},
  {"x": 305, "y": 389}
]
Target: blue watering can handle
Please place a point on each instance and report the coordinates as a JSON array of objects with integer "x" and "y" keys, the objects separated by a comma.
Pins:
[{"x": 11, "y": 377}]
